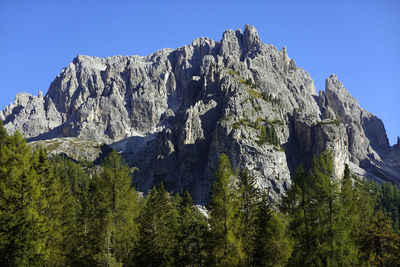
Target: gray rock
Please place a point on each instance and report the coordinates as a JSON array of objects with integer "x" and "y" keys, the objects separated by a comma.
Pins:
[
  {"x": 172, "y": 113},
  {"x": 313, "y": 137},
  {"x": 366, "y": 133},
  {"x": 73, "y": 148}
]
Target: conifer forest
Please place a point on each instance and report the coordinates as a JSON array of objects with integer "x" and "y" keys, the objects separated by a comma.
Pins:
[{"x": 59, "y": 212}]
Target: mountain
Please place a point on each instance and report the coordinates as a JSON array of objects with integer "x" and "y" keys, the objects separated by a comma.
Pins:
[{"x": 172, "y": 113}]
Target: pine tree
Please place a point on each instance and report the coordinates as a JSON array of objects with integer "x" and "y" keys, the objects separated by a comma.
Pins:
[
  {"x": 322, "y": 226},
  {"x": 297, "y": 205},
  {"x": 365, "y": 204},
  {"x": 115, "y": 213},
  {"x": 22, "y": 225},
  {"x": 325, "y": 211},
  {"x": 381, "y": 245},
  {"x": 158, "y": 225},
  {"x": 191, "y": 236},
  {"x": 3, "y": 134},
  {"x": 272, "y": 244},
  {"x": 226, "y": 243},
  {"x": 125, "y": 208},
  {"x": 51, "y": 207},
  {"x": 248, "y": 199},
  {"x": 389, "y": 202},
  {"x": 348, "y": 220},
  {"x": 74, "y": 217}
]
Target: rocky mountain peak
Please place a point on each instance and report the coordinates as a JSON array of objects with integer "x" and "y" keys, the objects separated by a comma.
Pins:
[
  {"x": 250, "y": 38},
  {"x": 236, "y": 44},
  {"x": 231, "y": 44},
  {"x": 361, "y": 124},
  {"x": 173, "y": 112},
  {"x": 340, "y": 99},
  {"x": 21, "y": 99}
]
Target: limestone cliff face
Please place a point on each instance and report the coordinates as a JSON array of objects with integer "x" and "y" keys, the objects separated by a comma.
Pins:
[
  {"x": 366, "y": 133},
  {"x": 172, "y": 113}
]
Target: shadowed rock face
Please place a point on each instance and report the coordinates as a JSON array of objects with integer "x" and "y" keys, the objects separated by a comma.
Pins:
[{"x": 172, "y": 113}]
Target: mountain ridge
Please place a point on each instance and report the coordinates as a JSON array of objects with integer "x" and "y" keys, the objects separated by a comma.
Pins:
[{"x": 173, "y": 112}]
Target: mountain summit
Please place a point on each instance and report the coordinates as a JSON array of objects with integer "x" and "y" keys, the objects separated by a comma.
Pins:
[{"x": 172, "y": 113}]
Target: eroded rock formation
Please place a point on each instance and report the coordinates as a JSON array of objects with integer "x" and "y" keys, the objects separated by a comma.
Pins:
[{"x": 173, "y": 112}]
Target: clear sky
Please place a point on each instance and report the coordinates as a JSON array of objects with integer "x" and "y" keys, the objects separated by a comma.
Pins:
[{"x": 357, "y": 40}]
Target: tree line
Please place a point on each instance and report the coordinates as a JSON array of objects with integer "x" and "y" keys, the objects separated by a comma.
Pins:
[{"x": 56, "y": 212}]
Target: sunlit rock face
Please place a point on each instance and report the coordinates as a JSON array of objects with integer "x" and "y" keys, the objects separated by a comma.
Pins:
[{"x": 172, "y": 113}]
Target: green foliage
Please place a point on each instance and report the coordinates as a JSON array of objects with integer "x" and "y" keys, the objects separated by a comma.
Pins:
[
  {"x": 23, "y": 225},
  {"x": 276, "y": 122},
  {"x": 191, "y": 234},
  {"x": 325, "y": 210},
  {"x": 225, "y": 239},
  {"x": 334, "y": 224},
  {"x": 272, "y": 244},
  {"x": 58, "y": 209},
  {"x": 55, "y": 213},
  {"x": 75, "y": 212},
  {"x": 233, "y": 73},
  {"x": 329, "y": 122},
  {"x": 270, "y": 98},
  {"x": 349, "y": 218},
  {"x": 266, "y": 128},
  {"x": 124, "y": 206},
  {"x": 248, "y": 200},
  {"x": 380, "y": 245},
  {"x": 246, "y": 122},
  {"x": 297, "y": 205},
  {"x": 158, "y": 227},
  {"x": 114, "y": 206},
  {"x": 268, "y": 135},
  {"x": 236, "y": 76},
  {"x": 249, "y": 82},
  {"x": 388, "y": 199},
  {"x": 322, "y": 217},
  {"x": 254, "y": 93}
]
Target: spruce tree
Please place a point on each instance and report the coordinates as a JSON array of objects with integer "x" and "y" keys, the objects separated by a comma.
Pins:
[
  {"x": 158, "y": 226},
  {"x": 115, "y": 210},
  {"x": 365, "y": 204},
  {"x": 325, "y": 211},
  {"x": 348, "y": 220},
  {"x": 52, "y": 208},
  {"x": 3, "y": 134},
  {"x": 272, "y": 244},
  {"x": 225, "y": 237},
  {"x": 125, "y": 207},
  {"x": 389, "y": 202},
  {"x": 23, "y": 226},
  {"x": 297, "y": 205},
  {"x": 249, "y": 196},
  {"x": 191, "y": 235},
  {"x": 322, "y": 226},
  {"x": 381, "y": 245},
  {"x": 75, "y": 216}
]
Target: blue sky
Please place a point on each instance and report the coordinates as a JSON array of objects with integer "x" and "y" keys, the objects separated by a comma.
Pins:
[{"x": 357, "y": 40}]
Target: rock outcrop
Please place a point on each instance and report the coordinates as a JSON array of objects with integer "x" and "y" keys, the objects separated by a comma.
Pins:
[
  {"x": 74, "y": 148},
  {"x": 172, "y": 114},
  {"x": 366, "y": 133}
]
